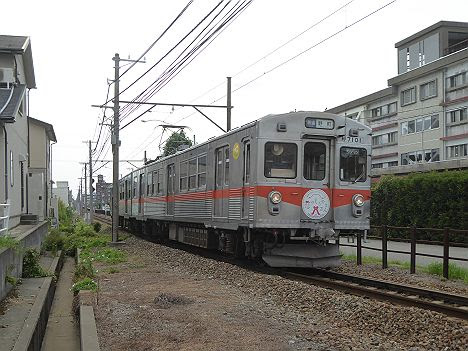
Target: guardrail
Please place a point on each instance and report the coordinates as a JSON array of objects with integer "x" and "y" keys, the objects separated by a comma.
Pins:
[
  {"x": 413, "y": 231},
  {"x": 4, "y": 218}
]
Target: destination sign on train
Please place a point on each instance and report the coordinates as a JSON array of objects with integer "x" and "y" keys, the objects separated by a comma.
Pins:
[{"x": 319, "y": 123}]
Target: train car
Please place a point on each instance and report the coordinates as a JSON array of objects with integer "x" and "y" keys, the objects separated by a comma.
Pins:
[{"x": 280, "y": 188}]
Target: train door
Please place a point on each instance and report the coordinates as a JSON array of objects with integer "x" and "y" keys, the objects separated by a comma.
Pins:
[
  {"x": 246, "y": 180},
  {"x": 170, "y": 189},
  {"x": 141, "y": 189},
  {"x": 126, "y": 196},
  {"x": 317, "y": 160},
  {"x": 221, "y": 198}
]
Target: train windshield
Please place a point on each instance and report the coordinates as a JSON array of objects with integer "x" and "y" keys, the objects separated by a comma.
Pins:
[
  {"x": 353, "y": 164},
  {"x": 280, "y": 160}
]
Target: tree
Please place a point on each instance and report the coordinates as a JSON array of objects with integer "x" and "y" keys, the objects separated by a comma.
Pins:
[{"x": 175, "y": 140}]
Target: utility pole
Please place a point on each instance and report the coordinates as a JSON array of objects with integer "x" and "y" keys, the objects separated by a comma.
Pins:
[
  {"x": 86, "y": 193},
  {"x": 81, "y": 195},
  {"x": 91, "y": 201},
  {"x": 229, "y": 106},
  {"x": 115, "y": 151}
]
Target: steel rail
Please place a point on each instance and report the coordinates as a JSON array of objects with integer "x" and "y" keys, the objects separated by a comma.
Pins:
[{"x": 449, "y": 304}]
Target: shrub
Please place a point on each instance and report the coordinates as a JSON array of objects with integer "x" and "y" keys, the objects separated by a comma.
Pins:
[
  {"x": 106, "y": 255},
  {"x": 54, "y": 241},
  {"x": 97, "y": 227},
  {"x": 431, "y": 200},
  {"x": 31, "y": 267}
]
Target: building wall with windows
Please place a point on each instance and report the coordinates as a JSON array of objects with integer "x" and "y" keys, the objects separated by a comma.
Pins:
[
  {"x": 16, "y": 76},
  {"x": 422, "y": 117}
]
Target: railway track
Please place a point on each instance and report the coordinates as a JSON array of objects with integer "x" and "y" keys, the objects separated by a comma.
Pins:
[{"x": 449, "y": 304}]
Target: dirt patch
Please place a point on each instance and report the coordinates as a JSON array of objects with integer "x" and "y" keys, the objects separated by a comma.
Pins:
[{"x": 165, "y": 300}]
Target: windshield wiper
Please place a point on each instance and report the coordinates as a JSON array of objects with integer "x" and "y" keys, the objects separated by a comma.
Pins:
[{"x": 360, "y": 176}]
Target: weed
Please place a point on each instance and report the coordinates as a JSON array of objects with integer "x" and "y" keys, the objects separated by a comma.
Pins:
[
  {"x": 11, "y": 280},
  {"x": 113, "y": 270},
  {"x": 84, "y": 270},
  {"x": 8, "y": 242},
  {"x": 84, "y": 284},
  {"x": 105, "y": 255},
  {"x": 31, "y": 267},
  {"x": 455, "y": 272}
]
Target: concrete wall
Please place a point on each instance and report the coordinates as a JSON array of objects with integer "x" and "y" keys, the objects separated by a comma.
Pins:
[{"x": 11, "y": 260}]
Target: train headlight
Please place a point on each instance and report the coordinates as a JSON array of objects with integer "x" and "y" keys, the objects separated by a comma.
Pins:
[
  {"x": 358, "y": 200},
  {"x": 275, "y": 197}
]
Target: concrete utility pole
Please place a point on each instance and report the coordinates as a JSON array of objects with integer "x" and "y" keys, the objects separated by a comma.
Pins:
[
  {"x": 229, "y": 106},
  {"x": 86, "y": 193},
  {"x": 81, "y": 195},
  {"x": 91, "y": 201},
  {"x": 115, "y": 151}
]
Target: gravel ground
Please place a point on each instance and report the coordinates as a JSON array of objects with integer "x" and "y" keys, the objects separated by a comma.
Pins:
[
  {"x": 167, "y": 299},
  {"x": 400, "y": 275}
]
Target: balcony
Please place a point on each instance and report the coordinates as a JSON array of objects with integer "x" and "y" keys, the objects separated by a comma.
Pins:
[{"x": 456, "y": 47}]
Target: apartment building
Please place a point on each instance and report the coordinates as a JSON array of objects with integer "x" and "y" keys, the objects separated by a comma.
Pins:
[
  {"x": 103, "y": 193},
  {"x": 419, "y": 122}
]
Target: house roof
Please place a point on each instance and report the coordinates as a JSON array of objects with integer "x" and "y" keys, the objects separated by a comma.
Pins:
[
  {"x": 49, "y": 128},
  {"x": 10, "y": 102},
  {"x": 20, "y": 45},
  {"x": 381, "y": 94}
]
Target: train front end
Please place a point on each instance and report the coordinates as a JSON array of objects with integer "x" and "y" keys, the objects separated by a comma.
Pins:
[{"x": 313, "y": 183}]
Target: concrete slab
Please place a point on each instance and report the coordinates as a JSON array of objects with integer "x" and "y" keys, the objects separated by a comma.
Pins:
[
  {"x": 18, "y": 308},
  {"x": 62, "y": 332}
]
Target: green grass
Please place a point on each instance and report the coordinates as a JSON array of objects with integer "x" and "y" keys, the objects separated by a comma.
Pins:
[
  {"x": 84, "y": 284},
  {"x": 435, "y": 268},
  {"x": 105, "y": 254}
]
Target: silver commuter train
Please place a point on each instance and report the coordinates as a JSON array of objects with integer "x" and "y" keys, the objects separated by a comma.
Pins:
[{"x": 279, "y": 188}]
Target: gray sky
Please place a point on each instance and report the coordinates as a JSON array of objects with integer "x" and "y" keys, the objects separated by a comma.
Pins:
[{"x": 73, "y": 44}]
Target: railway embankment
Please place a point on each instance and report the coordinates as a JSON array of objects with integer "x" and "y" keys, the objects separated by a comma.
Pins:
[{"x": 166, "y": 298}]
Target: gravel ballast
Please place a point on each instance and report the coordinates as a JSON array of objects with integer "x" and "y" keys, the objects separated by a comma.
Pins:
[{"x": 160, "y": 289}]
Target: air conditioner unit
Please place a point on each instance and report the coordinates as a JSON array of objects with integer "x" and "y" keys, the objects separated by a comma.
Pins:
[{"x": 7, "y": 75}]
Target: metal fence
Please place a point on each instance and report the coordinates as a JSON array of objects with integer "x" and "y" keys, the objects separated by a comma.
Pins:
[
  {"x": 4, "y": 218},
  {"x": 413, "y": 234}
]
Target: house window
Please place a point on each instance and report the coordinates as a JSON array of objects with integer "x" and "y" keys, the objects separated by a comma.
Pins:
[
  {"x": 457, "y": 151},
  {"x": 459, "y": 115},
  {"x": 428, "y": 90},
  {"x": 384, "y": 110},
  {"x": 430, "y": 155},
  {"x": 383, "y": 139},
  {"x": 408, "y": 96},
  {"x": 456, "y": 80},
  {"x": 420, "y": 124},
  {"x": 393, "y": 164},
  {"x": 183, "y": 181},
  {"x": 377, "y": 165}
]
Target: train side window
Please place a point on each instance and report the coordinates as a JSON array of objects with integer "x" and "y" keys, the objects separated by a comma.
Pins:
[
  {"x": 153, "y": 181},
  {"x": 159, "y": 181},
  {"x": 192, "y": 173},
  {"x": 247, "y": 164},
  {"x": 353, "y": 164},
  {"x": 280, "y": 160},
  {"x": 226, "y": 165},
  {"x": 219, "y": 167},
  {"x": 149, "y": 180},
  {"x": 201, "y": 171},
  {"x": 183, "y": 182},
  {"x": 135, "y": 182},
  {"x": 314, "y": 161}
]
